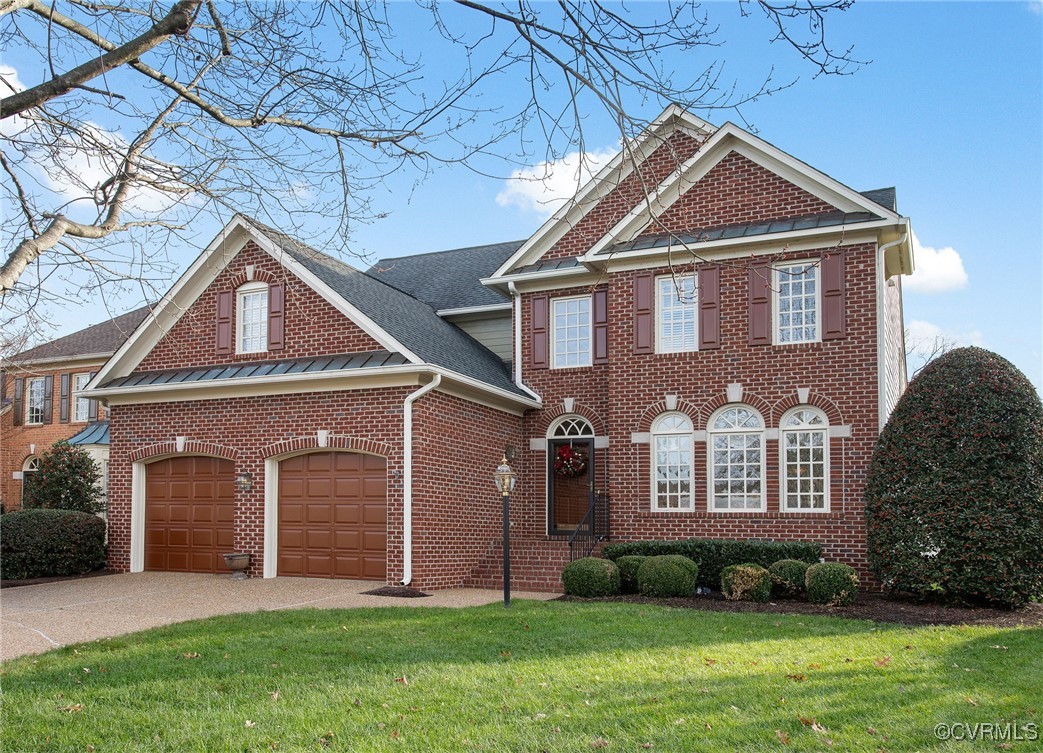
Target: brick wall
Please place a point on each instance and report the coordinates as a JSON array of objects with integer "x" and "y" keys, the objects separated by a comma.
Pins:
[{"x": 313, "y": 327}]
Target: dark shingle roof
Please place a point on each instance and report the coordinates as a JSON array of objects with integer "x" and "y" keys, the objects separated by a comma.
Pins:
[
  {"x": 105, "y": 338},
  {"x": 343, "y": 362},
  {"x": 410, "y": 321},
  {"x": 885, "y": 197},
  {"x": 95, "y": 433},
  {"x": 447, "y": 279}
]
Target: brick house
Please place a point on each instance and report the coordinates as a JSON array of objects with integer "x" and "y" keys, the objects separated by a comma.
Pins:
[
  {"x": 705, "y": 342},
  {"x": 42, "y": 401}
]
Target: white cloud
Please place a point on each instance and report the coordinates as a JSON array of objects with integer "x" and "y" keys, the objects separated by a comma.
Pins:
[
  {"x": 938, "y": 270},
  {"x": 543, "y": 188},
  {"x": 920, "y": 333}
]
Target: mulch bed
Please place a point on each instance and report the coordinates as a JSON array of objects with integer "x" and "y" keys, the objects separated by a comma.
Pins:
[
  {"x": 54, "y": 578},
  {"x": 869, "y": 606},
  {"x": 403, "y": 592}
]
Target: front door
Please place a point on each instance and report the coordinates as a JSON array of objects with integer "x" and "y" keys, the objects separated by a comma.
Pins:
[{"x": 571, "y": 483}]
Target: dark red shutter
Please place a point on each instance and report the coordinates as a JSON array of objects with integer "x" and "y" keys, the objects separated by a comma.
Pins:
[
  {"x": 540, "y": 323},
  {"x": 833, "y": 295},
  {"x": 644, "y": 313},
  {"x": 18, "y": 414},
  {"x": 63, "y": 405},
  {"x": 92, "y": 405},
  {"x": 709, "y": 308},
  {"x": 601, "y": 326},
  {"x": 276, "y": 318},
  {"x": 224, "y": 322},
  {"x": 760, "y": 303},
  {"x": 48, "y": 398}
]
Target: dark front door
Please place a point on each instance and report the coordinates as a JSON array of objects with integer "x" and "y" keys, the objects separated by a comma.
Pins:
[{"x": 571, "y": 483}]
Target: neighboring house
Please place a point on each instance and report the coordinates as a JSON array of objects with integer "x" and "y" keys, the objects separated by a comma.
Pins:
[
  {"x": 42, "y": 401},
  {"x": 706, "y": 342}
]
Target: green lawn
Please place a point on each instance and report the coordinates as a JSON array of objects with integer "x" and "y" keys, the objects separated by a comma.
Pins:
[{"x": 553, "y": 676}]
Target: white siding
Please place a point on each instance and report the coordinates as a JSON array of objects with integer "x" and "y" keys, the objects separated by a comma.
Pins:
[{"x": 894, "y": 345}]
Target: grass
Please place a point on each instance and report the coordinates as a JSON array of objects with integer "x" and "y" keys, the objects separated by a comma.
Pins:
[{"x": 551, "y": 676}]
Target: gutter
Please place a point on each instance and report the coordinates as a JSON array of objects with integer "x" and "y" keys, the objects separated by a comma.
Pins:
[
  {"x": 516, "y": 299},
  {"x": 407, "y": 477}
]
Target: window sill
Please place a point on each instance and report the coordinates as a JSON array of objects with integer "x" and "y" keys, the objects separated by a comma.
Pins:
[
  {"x": 743, "y": 515},
  {"x": 571, "y": 368}
]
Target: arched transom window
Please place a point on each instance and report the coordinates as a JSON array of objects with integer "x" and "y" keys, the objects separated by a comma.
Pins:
[
  {"x": 672, "y": 462},
  {"x": 736, "y": 446},
  {"x": 804, "y": 444},
  {"x": 571, "y": 426}
]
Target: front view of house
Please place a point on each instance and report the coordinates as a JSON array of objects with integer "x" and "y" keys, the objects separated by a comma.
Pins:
[{"x": 705, "y": 342}]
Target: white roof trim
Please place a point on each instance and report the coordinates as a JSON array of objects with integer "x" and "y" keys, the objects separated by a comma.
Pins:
[
  {"x": 225, "y": 246},
  {"x": 95, "y": 357},
  {"x": 673, "y": 118},
  {"x": 487, "y": 309}
]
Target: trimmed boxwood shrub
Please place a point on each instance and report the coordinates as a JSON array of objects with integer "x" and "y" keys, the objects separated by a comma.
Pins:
[
  {"x": 591, "y": 577},
  {"x": 667, "y": 575},
  {"x": 831, "y": 583},
  {"x": 746, "y": 582},
  {"x": 954, "y": 495},
  {"x": 713, "y": 555},
  {"x": 628, "y": 567},
  {"x": 40, "y": 543},
  {"x": 787, "y": 577}
]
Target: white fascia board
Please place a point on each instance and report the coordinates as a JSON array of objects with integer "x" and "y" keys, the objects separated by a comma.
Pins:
[
  {"x": 472, "y": 390},
  {"x": 622, "y": 165},
  {"x": 367, "y": 325},
  {"x": 79, "y": 361},
  {"x": 466, "y": 310},
  {"x": 545, "y": 274}
]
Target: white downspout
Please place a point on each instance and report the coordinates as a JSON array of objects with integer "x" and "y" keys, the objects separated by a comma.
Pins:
[
  {"x": 516, "y": 315},
  {"x": 407, "y": 477}
]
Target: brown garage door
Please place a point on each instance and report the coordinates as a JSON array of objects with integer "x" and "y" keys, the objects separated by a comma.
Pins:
[
  {"x": 189, "y": 509},
  {"x": 333, "y": 516}
]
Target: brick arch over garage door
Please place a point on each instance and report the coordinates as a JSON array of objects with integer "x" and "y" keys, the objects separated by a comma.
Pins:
[
  {"x": 189, "y": 513},
  {"x": 333, "y": 516}
]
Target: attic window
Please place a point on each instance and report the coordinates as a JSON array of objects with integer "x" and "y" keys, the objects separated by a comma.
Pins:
[{"x": 251, "y": 318}]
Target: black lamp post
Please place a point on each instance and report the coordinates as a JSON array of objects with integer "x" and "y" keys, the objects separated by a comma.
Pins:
[{"x": 505, "y": 481}]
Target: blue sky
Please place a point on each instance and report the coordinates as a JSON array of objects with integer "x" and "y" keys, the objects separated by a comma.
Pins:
[{"x": 949, "y": 111}]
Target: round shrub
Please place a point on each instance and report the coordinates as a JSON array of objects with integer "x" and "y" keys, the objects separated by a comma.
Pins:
[
  {"x": 591, "y": 577},
  {"x": 787, "y": 577},
  {"x": 628, "y": 566},
  {"x": 666, "y": 576},
  {"x": 746, "y": 582},
  {"x": 68, "y": 479},
  {"x": 954, "y": 495},
  {"x": 831, "y": 583},
  {"x": 40, "y": 543}
]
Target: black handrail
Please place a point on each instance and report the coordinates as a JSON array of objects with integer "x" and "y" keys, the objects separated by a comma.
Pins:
[{"x": 592, "y": 529}]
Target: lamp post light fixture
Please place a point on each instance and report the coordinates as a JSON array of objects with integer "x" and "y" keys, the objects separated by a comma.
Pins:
[{"x": 505, "y": 481}]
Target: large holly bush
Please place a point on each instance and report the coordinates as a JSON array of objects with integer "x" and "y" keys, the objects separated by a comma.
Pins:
[
  {"x": 68, "y": 479},
  {"x": 954, "y": 497}
]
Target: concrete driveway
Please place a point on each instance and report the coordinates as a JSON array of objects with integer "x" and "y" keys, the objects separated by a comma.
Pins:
[{"x": 38, "y": 618}]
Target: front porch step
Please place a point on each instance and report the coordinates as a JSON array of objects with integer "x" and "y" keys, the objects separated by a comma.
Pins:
[{"x": 536, "y": 565}]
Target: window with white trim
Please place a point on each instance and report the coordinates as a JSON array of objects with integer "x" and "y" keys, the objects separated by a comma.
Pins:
[
  {"x": 804, "y": 445},
  {"x": 83, "y": 405},
  {"x": 672, "y": 462},
  {"x": 251, "y": 318},
  {"x": 797, "y": 303},
  {"x": 34, "y": 398},
  {"x": 736, "y": 448},
  {"x": 676, "y": 312},
  {"x": 572, "y": 332}
]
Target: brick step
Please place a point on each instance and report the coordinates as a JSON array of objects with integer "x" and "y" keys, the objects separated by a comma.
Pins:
[{"x": 536, "y": 565}]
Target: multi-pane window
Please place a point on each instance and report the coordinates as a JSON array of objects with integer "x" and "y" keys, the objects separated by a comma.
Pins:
[
  {"x": 83, "y": 405},
  {"x": 676, "y": 311},
  {"x": 30, "y": 468},
  {"x": 737, "y": 460},
  {"x": 571, "y": 332},
  {"x": 252, "y": 320},
  {"x": 797, "y": 303},
  {"x": 672, "y": 462},
  {"x": 34, "y": 394},
  {"x": 805, "y": 461}
]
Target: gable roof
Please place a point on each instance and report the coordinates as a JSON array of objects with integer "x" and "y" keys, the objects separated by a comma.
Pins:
[
  {"x": 101, "y": 339},
  {"x": 447, "y": 279}
]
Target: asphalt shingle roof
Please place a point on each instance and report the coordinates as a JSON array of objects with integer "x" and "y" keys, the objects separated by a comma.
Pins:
[
  {"x": 105, "y": 338},
  {"x": 885, "y": 197},
  {"x": 447, "y": 279},
  {"x": 412, "y": 322}
]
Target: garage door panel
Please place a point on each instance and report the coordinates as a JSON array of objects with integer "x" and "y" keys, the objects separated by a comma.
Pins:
[
  {"x": 323, "y": 500},
  {"x": 189, "y": 513}
]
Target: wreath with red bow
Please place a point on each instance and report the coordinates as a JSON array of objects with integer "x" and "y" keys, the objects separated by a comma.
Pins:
[{"x": 570, "y": 461}]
